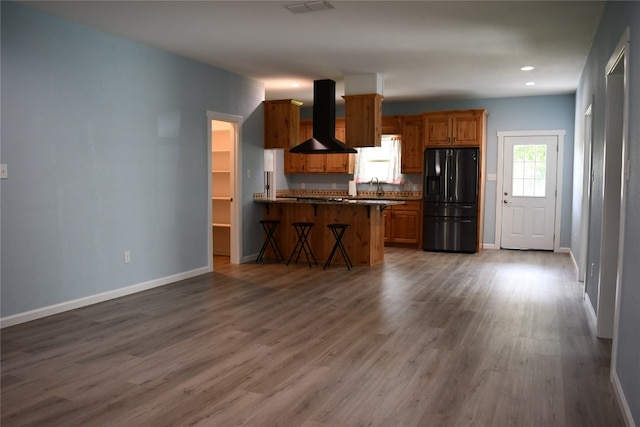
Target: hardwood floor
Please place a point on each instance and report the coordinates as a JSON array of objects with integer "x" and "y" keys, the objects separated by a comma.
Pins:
[{"x": 425, "y": 339}]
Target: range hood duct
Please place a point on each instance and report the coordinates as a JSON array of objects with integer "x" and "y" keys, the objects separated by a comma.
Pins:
[{"x": 324, "y": 123}]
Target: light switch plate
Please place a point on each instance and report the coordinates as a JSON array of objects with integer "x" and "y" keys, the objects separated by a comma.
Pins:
[
  {"x": 492, "y": 177},
  {"x": 4, "y": 172}
]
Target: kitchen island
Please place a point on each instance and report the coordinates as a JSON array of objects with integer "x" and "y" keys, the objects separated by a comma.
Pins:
[{"x": 364, "y": 240}]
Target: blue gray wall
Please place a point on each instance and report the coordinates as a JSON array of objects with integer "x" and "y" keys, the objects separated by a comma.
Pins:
[
  {"x": 505, "y": 114},
  {"x": 617, "y": 17},
  {"x": 106, "y": 142},
  {"x": 106, "y": 145}
]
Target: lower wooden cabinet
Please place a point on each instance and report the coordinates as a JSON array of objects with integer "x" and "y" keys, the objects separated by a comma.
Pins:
[{"x": 403, "y": 224}]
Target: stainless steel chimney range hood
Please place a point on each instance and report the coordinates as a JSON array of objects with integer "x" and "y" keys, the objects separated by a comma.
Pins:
[{"x": 324, "y": 123}]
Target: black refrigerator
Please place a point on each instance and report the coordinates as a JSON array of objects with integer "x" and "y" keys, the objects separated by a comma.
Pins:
[{"x": 450, "y": 199}]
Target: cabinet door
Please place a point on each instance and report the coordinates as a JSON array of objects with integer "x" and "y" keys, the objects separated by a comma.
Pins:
[
  {"x": 412, "y": 144},
  {"x": 466, "y": 129},
  {"x": 341, "y": 130},
  {"x": 315, "y": 163},
  {"x": 295, "y": 163},
  {"x": 437, "y": 129},
  {"x": 306, "y": 130},
  {"x": 363, "y": 116},
  {"x": 406, "y": 226},
  {"x": 281, "y": 123},
  {"x": 339, "y": 163},
  {"x": 391, "y": 125}
]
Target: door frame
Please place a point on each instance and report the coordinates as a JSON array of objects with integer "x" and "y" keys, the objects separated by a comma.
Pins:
[
  {"x": 236, "y": 186},
  {"x": 587, "y": 189},
  {"x": 621, "y": 55},
  {"x": 500, "y": 179}
]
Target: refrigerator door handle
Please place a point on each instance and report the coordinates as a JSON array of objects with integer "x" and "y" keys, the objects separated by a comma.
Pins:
[{"x": 447, "y": 172}]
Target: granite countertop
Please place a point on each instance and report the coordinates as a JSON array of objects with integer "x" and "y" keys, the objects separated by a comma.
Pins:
[
  {"x": 337, "y": 196},
  {"x": 333, "y": 200}
]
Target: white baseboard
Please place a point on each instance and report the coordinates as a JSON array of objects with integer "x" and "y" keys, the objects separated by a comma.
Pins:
[
  {"x": 494, "y": 246},
  {"x": 248, "y": 258},
  {"x": 489, "y": 246},
  {"x": 38, "y": 313},
  {"x": 591, "y": 314},
  {"x": 622, "y": 401},
  {"x": 573, "y": 259}
]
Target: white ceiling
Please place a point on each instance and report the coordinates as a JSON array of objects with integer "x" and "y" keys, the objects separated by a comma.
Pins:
[{"x": 422, "y": 49}]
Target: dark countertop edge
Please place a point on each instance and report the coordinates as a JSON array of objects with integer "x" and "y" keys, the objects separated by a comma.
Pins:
[{"x": 352, "y": 202}]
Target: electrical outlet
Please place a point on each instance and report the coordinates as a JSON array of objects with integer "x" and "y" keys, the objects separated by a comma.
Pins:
[
  {"x": 127, "y": 257},
  {"x": 302, "y": 185},
  {"x": 4, "y": 173},
  {"x": 333, "y": 185}
]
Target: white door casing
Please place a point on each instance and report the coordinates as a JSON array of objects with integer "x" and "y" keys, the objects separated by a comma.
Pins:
[
  {"x": 528, "y": 201},
  {"x": 236, "y": 185}
]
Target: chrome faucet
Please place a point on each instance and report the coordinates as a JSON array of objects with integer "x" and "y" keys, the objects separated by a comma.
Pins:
[{"x": 378, "y": 190}]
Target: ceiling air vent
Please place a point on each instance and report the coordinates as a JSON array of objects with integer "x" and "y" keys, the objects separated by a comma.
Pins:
[{"x": 310, "y": 6}]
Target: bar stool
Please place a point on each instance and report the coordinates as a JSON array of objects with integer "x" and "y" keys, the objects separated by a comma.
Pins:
[
  {"x": 302, "y": 229},
  {"x": 269, "y": 226},
  {"x": 338, "y": 231}
]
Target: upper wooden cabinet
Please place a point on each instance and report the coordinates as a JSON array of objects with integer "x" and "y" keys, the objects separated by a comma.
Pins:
[
  {"x": 463, "y": 128},
  {"x": 281, "y": 123},
  {"x": 363, "y": 115},
  {"x": 391, "y": 125},
  {"x": 412, "y": 144},
  {"x": 319, "y": 163}
]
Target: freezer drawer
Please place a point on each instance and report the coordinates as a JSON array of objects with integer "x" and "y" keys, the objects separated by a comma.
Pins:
[
  {"x": 450, "y": 209},
  {"x": 449, "y": 234}
]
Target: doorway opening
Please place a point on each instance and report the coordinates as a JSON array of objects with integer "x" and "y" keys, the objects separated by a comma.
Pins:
[
  {"x": 223, "y": 184},
  {"x": 222, "y": 140}
]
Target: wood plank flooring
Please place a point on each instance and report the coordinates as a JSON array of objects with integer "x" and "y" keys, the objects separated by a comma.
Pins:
[{"x": 426, "y": 339}]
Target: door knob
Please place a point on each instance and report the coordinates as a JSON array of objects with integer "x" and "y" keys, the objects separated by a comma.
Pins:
[
  {"x": 505, "y": 202},
  {"x": 506, "y": 194}
]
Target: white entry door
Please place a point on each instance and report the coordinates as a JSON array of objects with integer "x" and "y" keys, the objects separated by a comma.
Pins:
[{"x": 529, "y": 192}]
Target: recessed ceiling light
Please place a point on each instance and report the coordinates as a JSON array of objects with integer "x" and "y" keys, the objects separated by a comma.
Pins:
[
  {"x": 527, "y": 68},
  {"x": 530, "y": 83}
]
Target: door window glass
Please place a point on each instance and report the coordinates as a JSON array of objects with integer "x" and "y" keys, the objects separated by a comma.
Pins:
[{"x": 529, "y": 170}]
